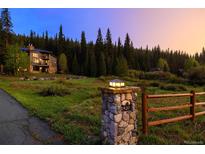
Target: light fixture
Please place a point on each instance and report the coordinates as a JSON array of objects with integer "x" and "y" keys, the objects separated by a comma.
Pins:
[{"x": 116, "y": 83}]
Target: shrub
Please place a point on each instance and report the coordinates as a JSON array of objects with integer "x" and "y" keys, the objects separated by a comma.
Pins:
[
  {"x": 143, "y": 84},
  {"x": 64, "y": 83},
  {"x": 163, "y": 76},
  {"x": 176, "y": 79},
  {"x": 55, "y": 90},
  {"x": 154, "y": 84},
  {"x": 157, "y": 75},
  {"x": 15, "y": 65},
  {"x": 163, "y": 65},
  {"x": 168, "y": 87},
  {"x": 62, "y": 63},
  {"x": 190, "y": 63},
  {"x": 134, "y": 73},
  {"x": 173, "y": 87},
  {"x": 182, "y": 88},
  {"x": 197, "y": 75}
]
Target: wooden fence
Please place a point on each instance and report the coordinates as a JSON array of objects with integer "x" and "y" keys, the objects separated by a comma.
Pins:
[{"x": 192, "y": 104}]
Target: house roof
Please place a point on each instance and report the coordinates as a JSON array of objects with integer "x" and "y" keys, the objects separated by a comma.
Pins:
[{"x": 36, "y": 50}]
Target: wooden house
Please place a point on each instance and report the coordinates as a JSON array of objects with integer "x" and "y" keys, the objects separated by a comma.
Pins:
[{"x": 41, "y": 60}]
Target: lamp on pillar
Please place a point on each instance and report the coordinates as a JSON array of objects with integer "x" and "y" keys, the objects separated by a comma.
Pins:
[
  {"x": 116, "y": 83},
  {"x": 119, "y": 113}
]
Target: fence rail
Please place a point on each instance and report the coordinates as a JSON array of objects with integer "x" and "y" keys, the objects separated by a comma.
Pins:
[{"x": 192, "y": 104}]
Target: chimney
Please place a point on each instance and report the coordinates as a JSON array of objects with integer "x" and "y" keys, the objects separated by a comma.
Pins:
[{"x": 30, "y": 46}]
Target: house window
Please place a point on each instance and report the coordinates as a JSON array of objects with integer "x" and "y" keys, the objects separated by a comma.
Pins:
[
  {"x": 36, "y": 60},
  {"x": 35, "y": 55}
]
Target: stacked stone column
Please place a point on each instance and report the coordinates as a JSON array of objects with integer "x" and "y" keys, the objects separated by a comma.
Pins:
[{"x": 119, "y": 120}]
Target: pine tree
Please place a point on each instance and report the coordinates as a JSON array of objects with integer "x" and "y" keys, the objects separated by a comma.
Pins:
[
  {"x": 60, "y": 46},
  {"x": 99, "y": 52},
  {"x": 99, "y": 43},
  {"x": 60, "y": 34},
  {"x": 84, "y": 55},
  {"x": 102, "y": 65},
  {"x": 75, "y": 66},
  {"x": 109, "y": 52},
  {"x": 128, "y": 51},
  {"x": 5, "y": 32},
  {"x": 119, "y": 48},
  {"x": 92, "y": 67},
  {"x": 6, "y": 26},
  {"x": 121, "y": 67},
  {"x": 1, "y": 44},
  {"x": 32, "y": 37},
  {"x": 46, "y": 46},
  {"x": 56, "y": 45},
  {"x": 147, "y": 61}
]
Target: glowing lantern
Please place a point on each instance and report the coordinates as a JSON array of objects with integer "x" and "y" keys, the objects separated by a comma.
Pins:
[{"x": 116, "y": 83}]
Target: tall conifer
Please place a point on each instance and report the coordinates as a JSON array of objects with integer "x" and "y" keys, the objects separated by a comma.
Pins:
[
  {"x": 75, "y": 66},
  {"x": 99, "y": 53},
  {"x": 92, "y": 67},
  {"x": 83, "y": 55},
  {"x": 102, "y": 65},
  {"x": 1, "y": 44},
  {"x": 109, "y": 52},
  {"x": 6, "y": 25},
  {"x": 60, "y": 40},
  {"x": 128, "y": 51}
]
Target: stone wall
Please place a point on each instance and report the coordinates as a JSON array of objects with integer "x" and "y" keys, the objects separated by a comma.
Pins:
[{"x": 119, "y": 121}]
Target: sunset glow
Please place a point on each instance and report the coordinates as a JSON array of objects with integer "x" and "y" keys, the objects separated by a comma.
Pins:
[{"x": 178, "y": 29}]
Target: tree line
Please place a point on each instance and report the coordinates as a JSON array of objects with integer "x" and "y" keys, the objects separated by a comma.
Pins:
[{"x": 99, "y": 58}]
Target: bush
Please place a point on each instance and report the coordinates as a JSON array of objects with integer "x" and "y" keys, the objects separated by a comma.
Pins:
[
  {"x": 134, "y": 73},
  {"x": 158, "y": 75},
  {"x": 183, "y": 88},
  {"x": 62, "y": 63},
  {"x": 154, "y": 84},
  {"x": 190, "y": 63},
  {"x": 163, "y": 65},
  {"x": 143, "y": 84},
  {"x": 173, "y": 87},
  {"x": 197, "y": 75},
  {"x": 55, "y": 90},
  {"x": 65, "y": 83},
  {"x": 175, "y": 79},
  {"x": 163, "y": 76}
]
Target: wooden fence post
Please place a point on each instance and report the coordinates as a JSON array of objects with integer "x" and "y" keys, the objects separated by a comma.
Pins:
[
  {"x": 192, "y": 102},
  {"x": 144, "y": 114}
]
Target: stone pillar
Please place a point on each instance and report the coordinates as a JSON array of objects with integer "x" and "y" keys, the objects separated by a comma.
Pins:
[{"x": 119, "y": 121}]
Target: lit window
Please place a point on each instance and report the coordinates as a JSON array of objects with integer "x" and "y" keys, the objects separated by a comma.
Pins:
[
  {"x": 35, "y": 60},
  {"x": 35, "y": 55}
]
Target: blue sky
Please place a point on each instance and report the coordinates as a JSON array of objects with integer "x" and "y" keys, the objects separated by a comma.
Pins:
[
  {"x": 73, "y": 20},
  {"x": 181, "y": 29}
]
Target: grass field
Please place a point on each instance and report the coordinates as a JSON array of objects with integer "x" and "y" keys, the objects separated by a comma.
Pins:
[{"x": 78, "y": 115}]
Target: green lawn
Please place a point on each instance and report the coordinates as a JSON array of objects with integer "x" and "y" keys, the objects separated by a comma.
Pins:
[{"x": 78, "y": 115}]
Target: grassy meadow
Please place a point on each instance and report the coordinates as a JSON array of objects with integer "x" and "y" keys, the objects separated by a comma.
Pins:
[{"x": 77, "y": 115}]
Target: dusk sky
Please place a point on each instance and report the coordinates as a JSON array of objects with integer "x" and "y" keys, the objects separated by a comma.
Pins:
[{"x": 182, "y": 29}]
